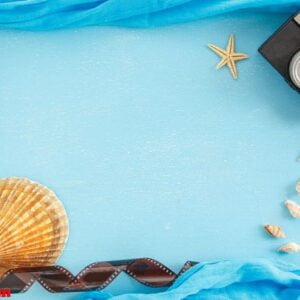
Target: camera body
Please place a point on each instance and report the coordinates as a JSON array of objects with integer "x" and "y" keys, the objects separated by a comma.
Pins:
[{"x": 282, "y": 50}]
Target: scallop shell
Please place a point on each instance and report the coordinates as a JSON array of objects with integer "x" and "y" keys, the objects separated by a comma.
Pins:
[
  {"x": 275, "y": 231},
  {"x": 293, "y": 208},
  {"x": 290, "y": 248},
  {"x": 33, "y": 224}
]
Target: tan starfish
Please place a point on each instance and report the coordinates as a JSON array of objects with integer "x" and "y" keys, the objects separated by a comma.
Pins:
[{"x": 229, "y": 57}]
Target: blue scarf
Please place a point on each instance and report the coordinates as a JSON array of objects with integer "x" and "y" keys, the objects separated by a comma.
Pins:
[
  {"x": 55, "y": 14},
  {"x": 224, "y": 280}
]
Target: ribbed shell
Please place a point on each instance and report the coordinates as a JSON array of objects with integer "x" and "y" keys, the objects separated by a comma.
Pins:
[
  {"x": 33, "y": 224},
  {"x": 293, "y": 208},
  {"x": 275, "y": 231},
  {"x": 290, "y": 248}
]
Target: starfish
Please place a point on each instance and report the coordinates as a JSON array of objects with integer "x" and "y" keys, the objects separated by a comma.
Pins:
[{"x": 229, "y": 57}]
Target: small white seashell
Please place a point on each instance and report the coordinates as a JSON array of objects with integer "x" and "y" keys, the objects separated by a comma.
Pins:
[
  {"x": 275, "y": 231},
  {"x": 298, "y": 187},
  {"x": 290, "y": 248},
  {"x": 293, "y": 208}
]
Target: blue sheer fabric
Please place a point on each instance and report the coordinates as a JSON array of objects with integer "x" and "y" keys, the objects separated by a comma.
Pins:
[
  {"x": 55, "y": 14},
  {"x": 224, "y": 280}
]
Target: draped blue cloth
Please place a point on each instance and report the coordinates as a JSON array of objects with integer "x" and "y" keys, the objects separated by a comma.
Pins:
[
  {"x": 55, "y": 14},
  {"x": 224, "y": 280}
]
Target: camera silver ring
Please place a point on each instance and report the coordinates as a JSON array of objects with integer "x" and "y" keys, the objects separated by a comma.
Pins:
[
  {"x": 297, "y": 18},
  {"x": 295, "y": 69}
]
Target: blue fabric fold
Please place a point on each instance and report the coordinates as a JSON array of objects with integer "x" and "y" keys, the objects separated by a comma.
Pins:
[
  {"x": 223, "y": 280},
  {"x": 55, "y": 14}
]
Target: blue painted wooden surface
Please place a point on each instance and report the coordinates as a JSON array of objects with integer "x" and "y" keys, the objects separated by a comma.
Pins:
[{"x": 152, "y": 151}]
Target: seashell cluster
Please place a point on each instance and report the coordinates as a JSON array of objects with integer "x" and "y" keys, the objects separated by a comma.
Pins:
[
  {"x": 33, "y": 224},
  {"x": 274, "y": 231},
  {"x": 277, "y": 232}
]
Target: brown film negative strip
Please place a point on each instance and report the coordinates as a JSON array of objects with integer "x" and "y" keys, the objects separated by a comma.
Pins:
[{"x": 96, "y": 276}]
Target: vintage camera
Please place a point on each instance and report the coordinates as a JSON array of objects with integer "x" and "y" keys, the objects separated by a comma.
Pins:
[{"x": 282, "y": 50}]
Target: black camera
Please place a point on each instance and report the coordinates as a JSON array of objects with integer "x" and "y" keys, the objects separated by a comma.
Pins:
[{"x": 282, "y": 50}]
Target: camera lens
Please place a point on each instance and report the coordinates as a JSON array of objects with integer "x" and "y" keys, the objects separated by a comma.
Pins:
[{"x": 295, "y": 69}]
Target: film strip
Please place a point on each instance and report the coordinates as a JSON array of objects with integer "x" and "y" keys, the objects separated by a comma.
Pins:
[{"x": 96, "y": 276}]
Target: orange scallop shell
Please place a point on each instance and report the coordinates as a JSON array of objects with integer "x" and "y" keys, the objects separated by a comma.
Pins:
[{"x": 33, "y": 224}]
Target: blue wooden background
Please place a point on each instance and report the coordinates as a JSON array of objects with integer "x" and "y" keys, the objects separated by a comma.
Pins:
[{"x": 152, "y": 151}]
